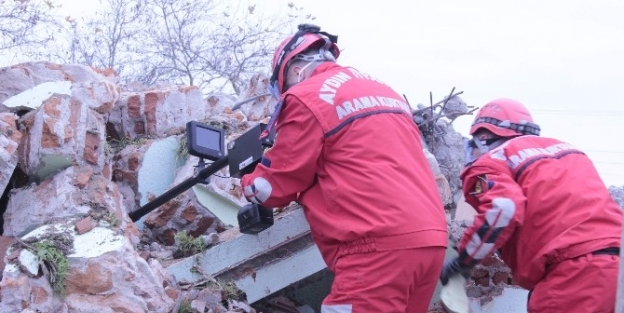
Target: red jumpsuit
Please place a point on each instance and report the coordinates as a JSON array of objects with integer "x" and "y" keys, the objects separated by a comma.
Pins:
[
  {"x": 348, "y": 151},
  {"x": 542, "y": 203}
]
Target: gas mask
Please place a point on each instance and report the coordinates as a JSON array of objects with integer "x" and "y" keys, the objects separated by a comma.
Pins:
[{"x": 302, "y": 71}]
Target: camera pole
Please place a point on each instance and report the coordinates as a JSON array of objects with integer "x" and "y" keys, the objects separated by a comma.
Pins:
[{"x": 201, "y": 176}]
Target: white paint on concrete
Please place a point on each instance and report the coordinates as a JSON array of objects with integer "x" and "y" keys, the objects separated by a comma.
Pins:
[
  {"x": 34, "y": 96},
  {"x": 29, "y": 262},
  {"x": 96, "y": 242},
  {"x": 513, "y": 300},
  {"x": 91, "y": 244},
  {"x": 229, "y": 254},
  {"x": 224, "y": 209},
  {"x": 11, "y": 268},
  {"x": 46, "y": 229},
  {"x": 158, "y": 169},
  {"x": 281, "y": 274}
]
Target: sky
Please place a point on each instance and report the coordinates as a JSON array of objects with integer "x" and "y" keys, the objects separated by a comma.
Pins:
[{"x": 564, "y": 59}]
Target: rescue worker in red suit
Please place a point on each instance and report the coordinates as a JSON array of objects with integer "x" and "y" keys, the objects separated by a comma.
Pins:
[
  {"x": 542, "y": 203},
  {"x": 348, "y": 151}
]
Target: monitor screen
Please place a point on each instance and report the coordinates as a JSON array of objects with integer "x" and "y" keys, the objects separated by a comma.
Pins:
[
  {"x": 208, "y": 138},
  {"x": 205, "y": 141}
]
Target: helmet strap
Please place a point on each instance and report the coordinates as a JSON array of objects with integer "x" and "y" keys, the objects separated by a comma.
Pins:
[{"x": 302, "y": 71}]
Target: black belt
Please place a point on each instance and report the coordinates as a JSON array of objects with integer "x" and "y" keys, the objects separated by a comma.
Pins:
[{"x": 608, "y": 251}]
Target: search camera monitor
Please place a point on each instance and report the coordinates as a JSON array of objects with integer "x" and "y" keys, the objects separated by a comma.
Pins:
[{"x": 205, "y": 141}]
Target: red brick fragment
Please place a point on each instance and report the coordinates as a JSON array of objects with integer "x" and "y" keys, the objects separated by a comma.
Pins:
[{"x": 84, "y": 225}]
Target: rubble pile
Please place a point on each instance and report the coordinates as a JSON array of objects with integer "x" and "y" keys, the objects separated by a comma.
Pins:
[{"x": 79, "y": 152}]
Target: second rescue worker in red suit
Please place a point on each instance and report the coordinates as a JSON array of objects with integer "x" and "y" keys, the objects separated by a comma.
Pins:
[
  {"x": 348, "y": 151},
  {"x": 543, "y": 204}
]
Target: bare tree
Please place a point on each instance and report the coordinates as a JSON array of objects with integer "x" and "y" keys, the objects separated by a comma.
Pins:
[
  {"x": 216, "y": 45},
  {"x": 105, "y": 39},
  {"x": 206, "y": 44},
  {"x": 25, "y": 23}
]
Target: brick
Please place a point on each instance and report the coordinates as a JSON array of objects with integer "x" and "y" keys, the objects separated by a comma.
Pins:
[
  {"x": 484, "y": 281},
  {"x": 84, "y": 225},
  {"x": 474, "y": 291},
  {"x": 501, "y": 278},
  {"x": 480, "y": 273},
  {"x": 134, "y": 107},
  {"x": 189, "y": 213},
  {"x": 92, "y": 145}
]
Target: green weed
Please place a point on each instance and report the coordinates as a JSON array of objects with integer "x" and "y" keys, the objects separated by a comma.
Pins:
[{"x": 188, "y": 245}]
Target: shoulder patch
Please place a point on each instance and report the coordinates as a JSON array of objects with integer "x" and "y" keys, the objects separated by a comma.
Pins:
[{"x": 480, "y": 186}]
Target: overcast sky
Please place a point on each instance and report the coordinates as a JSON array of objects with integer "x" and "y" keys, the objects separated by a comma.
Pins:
[{"x": 564, "y": 59}]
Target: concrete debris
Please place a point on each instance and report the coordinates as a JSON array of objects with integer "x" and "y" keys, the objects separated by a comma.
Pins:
[
  {"x": 33, "y": 97},
  {"x": 443, "y": 186},
  {"x": 66, "y": 195},
  {"x": 79, "y": 152},
  {"x": 104, "y": 274},
  {"x": 155, "y": 113},
  {"x": 22, "y": 77},
  {"x": 28, "y": 263},
  {"x": 448, "y": 149},
  {"x": 10, "y": 138},
  {"x": 262, "y": 107},
  {"x": 617, "y": 193},
  {"x": 63, "y": 131}
]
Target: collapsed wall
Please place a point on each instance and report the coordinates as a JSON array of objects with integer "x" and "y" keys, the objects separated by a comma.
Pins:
[{"x": 82, "y": 152}]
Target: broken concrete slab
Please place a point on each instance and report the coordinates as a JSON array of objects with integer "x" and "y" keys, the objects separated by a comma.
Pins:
[
  {"x": 105, "y": 274},
  {"x": 156, "y": 113},
  {"x": 63, "y": 196},
  {"x": 278, "y": 275},
  {"x": 443, "y": 185},
  {"x": 33, "y": 98},
  {"x": 158, "y": 167},
  {"x": 448, "y": 150},
  {"x": 236, "y": 249},
  {"x": 146, "y": 168},
  {"x": 222, "y": 207},
  {"x": 263, "y": 106},
  {"x": 21, "y": 77},
  {"x": 10, "y": 138},
  {"x": 5, "y": 243},
  {"x": 219, "y": 103},
  {"x": 61, "y": 132},
  {"x": 28, "y": 263}
]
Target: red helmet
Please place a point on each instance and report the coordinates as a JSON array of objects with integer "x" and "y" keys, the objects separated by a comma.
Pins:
[
  {"x": 308, "y": 37},
  {"x": 505, "y": 118}
]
